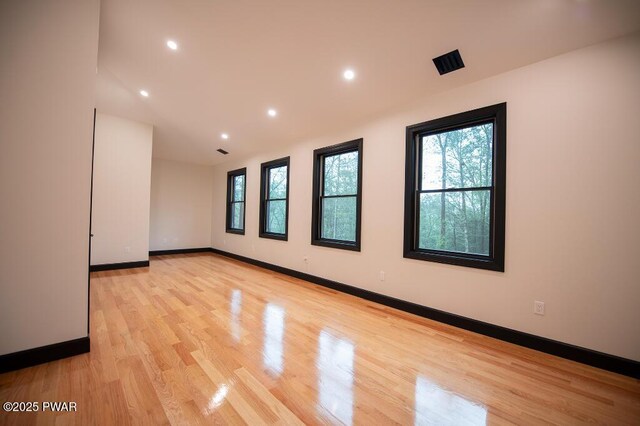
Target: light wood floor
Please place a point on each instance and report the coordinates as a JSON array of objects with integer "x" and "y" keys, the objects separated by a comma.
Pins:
[{"x": 200, "y": 339}]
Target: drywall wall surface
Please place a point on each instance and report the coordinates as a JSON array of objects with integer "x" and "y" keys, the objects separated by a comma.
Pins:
[
  {"x": 180, "y": 205},
  {"x": 47, "y": 80},
  {"x": 572, "y": 206},
  {"x": 121, "y": 190}
]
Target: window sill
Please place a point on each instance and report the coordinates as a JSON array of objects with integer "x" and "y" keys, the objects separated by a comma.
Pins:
[
  {"x": 235, "y": 231},
  {"x": 281, "y": 237},
  {"x": 343, "y": 245},
  {"x": 459, "y": 260}
]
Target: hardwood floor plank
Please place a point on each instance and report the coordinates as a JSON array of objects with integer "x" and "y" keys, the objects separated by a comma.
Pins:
[
  {"x": 283, "y": 414},
  {"x": 203, "y": 339}
]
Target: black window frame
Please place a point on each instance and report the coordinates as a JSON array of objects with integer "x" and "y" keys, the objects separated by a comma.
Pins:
[
  {"x": 496, "y": 114},
  {"x": 265, "y": 169},
  {"x": 230, "y": 177},
  {"x": 318, "y": 194}
]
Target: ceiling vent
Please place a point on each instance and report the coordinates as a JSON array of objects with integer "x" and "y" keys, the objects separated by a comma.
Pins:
[
  {"x": 449, "y": 62},
  {"x": 222, "y": 151}
]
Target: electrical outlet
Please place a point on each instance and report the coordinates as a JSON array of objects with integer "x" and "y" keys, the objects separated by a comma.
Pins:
[
  {"x": 538, "y": 307},
  {"x": 381, "y": 275},
  {"x": 305, "y": 259},
  {"x": 127, "y": 249}
]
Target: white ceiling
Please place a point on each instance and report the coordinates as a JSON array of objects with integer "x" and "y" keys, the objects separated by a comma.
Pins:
[{"x": 238, "y": 58}]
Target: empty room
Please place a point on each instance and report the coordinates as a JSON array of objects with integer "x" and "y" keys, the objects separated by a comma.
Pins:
[{"x": 349, "y": 212}]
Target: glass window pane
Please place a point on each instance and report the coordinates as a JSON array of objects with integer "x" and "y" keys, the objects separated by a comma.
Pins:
[
  {"x": 455, "y": 221},
  {"x": 339, "y": 218},
  {"x": 341, "y": 174},
  {"x": 238, "y": 188},
  {"x": 237, "y": 214},
  {"x": 276, "y": 216},
  {"x": 278, "y": 182},
  {"x": 460, "y": 158}
]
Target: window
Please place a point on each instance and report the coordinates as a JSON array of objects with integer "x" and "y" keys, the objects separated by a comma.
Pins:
[
  {"x": 236, "y": 185},
  {"x": 455, "y": 189},
  {"x": 337, "y": 196},
  {"x": 274, "y": 199}
]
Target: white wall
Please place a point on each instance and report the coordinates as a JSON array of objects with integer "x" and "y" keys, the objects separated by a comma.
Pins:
[
  {"x": 180, "y": 205},
  {"x": 47, "y": 78},
  {"x": 573, "y": 204},
  {"x": 121, "y": 190}
]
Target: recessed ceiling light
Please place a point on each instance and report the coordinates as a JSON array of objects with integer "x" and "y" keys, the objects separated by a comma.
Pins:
[
  {"x": 172, "y": 45},
  {"x": 349, "y": 74},
  {"x": 144, "y": 93},
  {"x": 224, "y": 136},
  {"x": 272, "y": 112}
]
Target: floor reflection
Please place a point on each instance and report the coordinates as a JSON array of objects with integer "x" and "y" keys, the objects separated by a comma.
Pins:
[
  {"x": 435, "y": 405},
  {"x": 335, "y": 377},
  {"x": 236, "y": 309},
  {"x": 217, "y": 399},
  {"x": 272, "y": 355}
]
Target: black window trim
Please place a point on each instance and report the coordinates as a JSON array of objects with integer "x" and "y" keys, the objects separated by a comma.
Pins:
[
  {"x": 264, "y": 193},
  {"x": 497, "y": 114},
  {"x": 318, "y": 160},
  {"x": 230, "y": 175}
]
